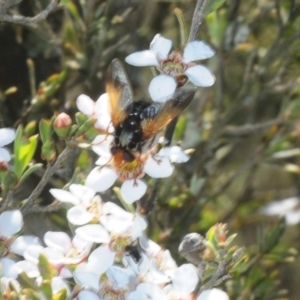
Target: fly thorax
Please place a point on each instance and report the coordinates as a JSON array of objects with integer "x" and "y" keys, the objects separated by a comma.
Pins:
[{"x": 125, "y": 137}]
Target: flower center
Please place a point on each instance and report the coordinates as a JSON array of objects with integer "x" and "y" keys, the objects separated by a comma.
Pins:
[
  {"x": 95, "y": 207},
  {"x": 109, "y": 291},
  {"x": 175, "y": 67},
  {"x": 172, "y": 68},
  {"x": 127, "y": 170},
  {"x": 119, "y": 244}
]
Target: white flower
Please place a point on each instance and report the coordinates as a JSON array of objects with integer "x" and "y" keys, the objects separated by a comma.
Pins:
[
  {"x": 102, "y": 178},
  {"x": 161, "y": 258},
  {"x": 132, "y": 189},
  {"x": 88, "y": 295},
  {"x": 213, "y": 294},
  {"x": 66, "y": 250},
  {"x": 61, "y": 251},
  {"x": 7, "y": 135},
  {"x": 98, "y": 110},
  {"x": 184, "y": 281},
  {"x": 86, "y": 206},
  {"x": 120, "y": 222},
  {"x": 11, "y": 223},
  {"x": 173, "y": 66},
  {"x": 147, "y": 291},
  {"x": 289, "y": 208},
  {"x": 99, "y": 261},
  {"x": 117, "y": 226},
  {"x": 114, "y": 284}
]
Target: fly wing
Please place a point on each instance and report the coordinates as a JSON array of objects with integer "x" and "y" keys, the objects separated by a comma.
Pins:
[
  {"x": 119, "y": 90},
  {"x": 169, "y": 110}
]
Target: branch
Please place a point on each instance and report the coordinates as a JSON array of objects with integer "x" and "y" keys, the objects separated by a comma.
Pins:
[
  {"x": 28, "y": 21},
  {"x": 197, "y": 20},
  {"x": 50, "y": 208},
  {"x": 51, "y": 169},
  {"x": 246, "y": 130}
]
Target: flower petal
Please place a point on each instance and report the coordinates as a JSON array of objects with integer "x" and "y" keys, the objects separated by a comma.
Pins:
[
  {"x": 84, "y": 277},
  {"x": 7, "y": 135},
  {"x": 185, "y": 279},
  {"x": 116, "y": 221},
  {"x": 160, "y": 167},
  {"x": 103, "y": 160},
  {"x": 161, "y": 46},
  {"x": 200, "y": 76},
  {"x": 57, "y": 284},
  {"x": 138, "y": 226},
  {"x": 101, "y": 179},
  {"x": 197, "y": 50},
  {"x": 162, "y": 87},
  {"x": 102, "y": 104},
  {"x": 86, "y": 105},
  {"x": 101, "y": 144},
  {"x": 136, "y": 295},
  {"x": 28, "y": 267},
  {"x": 8, "y": 268},
  {"x": 213, "y": 294},
  {"x": 153, "y": 291},
  {"x": 77, "y": 215},
  {"x": 175, "y": 154},
  {"x": 4, "y": 155},
  {"x": 101, "y": 259},
  {"x": 11, "y": 222},
  {"x": 53, "y": 255},
  {"x": 93, "y": 233},
  {"x": 82, "y": 192},
  {"x": 32, "y": 253},
  {"x": 64, "y": 196},
  {"x": 57, "y": 240},
  {"x": 102, "y": 111},
  {"x": 20, "y": 244},
  {"x": 88, "y": 295},
  {"x": 143, "y": 59},
  {"x": 132, "y": 190}
]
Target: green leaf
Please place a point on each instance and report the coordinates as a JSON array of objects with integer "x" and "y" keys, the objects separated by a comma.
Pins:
[
  {"x": 48, "y": 151},
  {"x": 80, "y": 118},
  {"x": 31, "y": 294},
  {"x": 30, "y": 170},
  {"x": 212, "y": 5},
  {"x": 61, "y": 295},
  {"x": 24, "y": 149},
  {"x": 216, "y": 24},
  {"x": 45, "y": 127},
  {"x": 46, "y": 288},
  {"x": 27, "y": 282},
  {"x": 54, "y": 82},
  {"x": 47, "y": 271}
]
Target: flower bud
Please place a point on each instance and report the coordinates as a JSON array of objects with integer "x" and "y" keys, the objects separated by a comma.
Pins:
[
  {"x": 3, "y": 165},
  {"x": 62, "y": 125}
]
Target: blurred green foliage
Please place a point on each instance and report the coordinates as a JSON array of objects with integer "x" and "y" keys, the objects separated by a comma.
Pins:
[{"x": 241, "y": 128}]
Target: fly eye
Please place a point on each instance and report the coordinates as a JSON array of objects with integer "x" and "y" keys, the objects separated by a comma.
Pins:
[
  {"x": 113, "y": 150},
  {"x": 128, "y": 156}
]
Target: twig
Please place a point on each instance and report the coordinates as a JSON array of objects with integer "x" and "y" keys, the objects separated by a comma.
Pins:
[
  {"x": 217, "y": 277},
  {"x": 27, "y": 21},
  {"x": 249, "y": 129},
  {"x": 7, "y": 201},
  {"x": 197, "y": 20},
  {"x": 49, "y": 208},
  {"x": 51, "y": 169}
]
